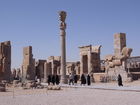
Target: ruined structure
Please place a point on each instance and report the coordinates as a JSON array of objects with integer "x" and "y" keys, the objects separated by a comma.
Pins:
[
  {"x": 62, "y": 16},
  {"x": 52, "y": 66},
  {"x": 16, "y": 74},
  {"x": 70, "y": 68},
  {"x": 89, "y": 59},
  {"x": 116, "y": 64},
  {"x": 5, "y": 60},
  {"x": 28, "y": 66},
  {"x": 119, "y": 43},
  {"x": 77, "y": 68},
  {"x": 133, "y": 67},
  {"x": 39, "y": 69}
]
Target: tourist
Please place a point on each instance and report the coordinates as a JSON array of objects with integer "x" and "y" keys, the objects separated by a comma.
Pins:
[
  {"x": 57, "y": 80},
  {"x": 49, "y": 79},
  {"x": 75, "y": 79},
  {"x": 83, "y": 79},
  {"x": 71, "y": 78},
  {"x": 88, "y": 80},
  {"x": 53, "y": 79},
  {"x": 120, "y": 80}
]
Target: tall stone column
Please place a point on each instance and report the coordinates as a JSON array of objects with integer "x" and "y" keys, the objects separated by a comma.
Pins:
[
  {"x": 119, "y": 43},
  {"x": 81, "y": 64},
  {"x": 89, "y": 62},
  {"x": 45, "y": 71},
  {"x": 62, "y": 17},
  {"x": 52, "y": 65}
]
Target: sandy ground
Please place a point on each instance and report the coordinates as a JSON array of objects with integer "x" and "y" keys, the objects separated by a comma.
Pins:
[{"x": 69, "y": 96}]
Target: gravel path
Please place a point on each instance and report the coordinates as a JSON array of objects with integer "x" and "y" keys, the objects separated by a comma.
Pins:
[{"x": 69, "y": 96}]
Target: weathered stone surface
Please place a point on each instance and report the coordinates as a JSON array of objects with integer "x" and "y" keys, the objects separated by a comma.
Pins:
[
  {"x": 54, "y": 87},
  {"x": 51, "y": 67},
  {"x": 119, "y": 43},
  {"x": 16, "y": 74},
  {"x": 39, "y": 68},
  {"x": 62, "y": 16},
  {"x": 70, "y": 68},
  {"x": 28, "y": 66},
  {"x": 89, "y": 59},
  {"x": 5, "y": 60},
  {"x": 116, "y": 64},
  {"x": 2, "y": 87},
  {"x": 54, "y": 65}
]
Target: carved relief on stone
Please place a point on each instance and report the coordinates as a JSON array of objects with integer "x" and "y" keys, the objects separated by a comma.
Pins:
[
  {"x": 62, "y": 16},
  {"x": 126, "y": 52},
  {"x": 62, "y": 26}
]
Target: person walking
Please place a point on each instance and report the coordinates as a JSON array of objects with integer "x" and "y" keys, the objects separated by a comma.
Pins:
[
  {"x": 71, "y": 78},
  {"x": 88, "y": 80},
  {"x": 75, "y": 79}
]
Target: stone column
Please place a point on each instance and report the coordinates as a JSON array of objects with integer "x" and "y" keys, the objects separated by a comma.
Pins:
[
  {"x": 119, "y": 43},
  {"x": 45, "y": 72},
  {"x": 52, "y": 65},
  {"x": 89, "y": 62},
  {"x": 81, "y": 64},
  {"x": 62, "y": 16}
]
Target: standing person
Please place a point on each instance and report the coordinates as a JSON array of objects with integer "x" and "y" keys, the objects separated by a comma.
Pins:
[
  {"x": 88, "y": 80},
  {"x": 71, "y": 78},
  {"x": 120, "y": 80},
  {"x": 53, "y": 79},
  {"x": 57, "y": 79},
  {"x": 49, "y": 79},
  {"x": 75, "y": 79},
  {"x": 83, "y": 79}
]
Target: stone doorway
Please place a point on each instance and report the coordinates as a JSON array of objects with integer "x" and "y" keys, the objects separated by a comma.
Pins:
[
  {"x": 85, "y": 64},
  {"x": 50, "y": 68}
]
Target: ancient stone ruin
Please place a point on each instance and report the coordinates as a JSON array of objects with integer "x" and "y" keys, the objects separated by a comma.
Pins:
[
  {"x": 116, "y": 64},
  {"x": 90, "y": 62},
  {"x": 28, "y": 66},
  {"x": 39, "y": 69},
  {"x": 51, "y": 66},
  {"x": 54, "y": 65},
  {"x": 5, "y": 60},
  {"x": 16, "y": 74},
  {"x": 62, "y": 16},
  {"x": 89, "y": 59}
]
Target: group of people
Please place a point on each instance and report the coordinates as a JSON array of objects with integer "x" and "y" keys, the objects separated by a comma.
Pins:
[
  {"x": 85, "y": 79},
  {"x": 73, "y": 78},
  {"x": 54, "y": 79}
]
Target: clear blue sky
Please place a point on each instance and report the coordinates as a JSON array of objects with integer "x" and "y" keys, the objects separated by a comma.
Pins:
[{"x": 36, "y": 23}]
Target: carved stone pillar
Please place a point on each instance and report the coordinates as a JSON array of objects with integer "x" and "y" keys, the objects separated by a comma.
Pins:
[{"x": 62, "y": 15}]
